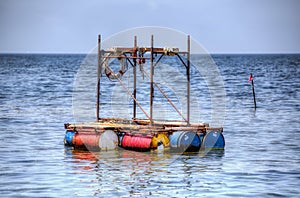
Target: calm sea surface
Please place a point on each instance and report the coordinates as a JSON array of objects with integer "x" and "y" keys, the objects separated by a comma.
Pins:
[{"x": 261, "y": 156}]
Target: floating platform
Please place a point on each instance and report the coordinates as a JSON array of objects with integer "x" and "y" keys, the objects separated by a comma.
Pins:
[
  {"x": 142, "y": 134},
  {"x": 138, "y": 135}
]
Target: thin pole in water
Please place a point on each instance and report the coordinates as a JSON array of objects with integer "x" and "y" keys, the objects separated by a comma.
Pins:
[
  {"x": 253, "y": 91},
  {"x": 188, "y": 78},
  {"x": 151, "y": 81},
  {"x": 98, "y": 79},
  {"x": 134, "y": 76}
]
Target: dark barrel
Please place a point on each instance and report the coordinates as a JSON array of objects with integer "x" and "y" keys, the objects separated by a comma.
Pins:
[
  {"x": 185, "y": 141},
  {"x": 213, "y": 140}
]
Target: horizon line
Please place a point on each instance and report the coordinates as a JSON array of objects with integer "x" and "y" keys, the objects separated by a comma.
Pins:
[{"x": 86, "y": 53}]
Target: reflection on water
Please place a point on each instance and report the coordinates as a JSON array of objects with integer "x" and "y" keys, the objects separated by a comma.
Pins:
[{"x": 144, "y": 173}]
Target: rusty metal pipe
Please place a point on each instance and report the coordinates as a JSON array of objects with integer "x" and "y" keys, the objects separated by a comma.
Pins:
[
  {"x": 151, "y": 82},
  {"x": 188, "y": 78},
  {"x": 98, "y": 78},
  {"x": 134, "y": 77}
]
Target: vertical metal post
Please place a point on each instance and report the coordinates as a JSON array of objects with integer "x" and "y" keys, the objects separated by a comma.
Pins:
[
  {"x": 188, "y": 79},
  {"x": 98, "y": 79},
  {"x": 134, "y": 76},
  {"x": 151, "y": 82},
  {"x": 253, "y": 91}
]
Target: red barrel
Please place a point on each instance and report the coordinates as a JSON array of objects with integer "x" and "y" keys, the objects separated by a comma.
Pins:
[
  {"x": 86, "y": 140},
  {"x": 136, "y": 142}
]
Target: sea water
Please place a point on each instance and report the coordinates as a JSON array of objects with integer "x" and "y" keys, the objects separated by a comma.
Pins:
[{"x": 261, "y": 156}]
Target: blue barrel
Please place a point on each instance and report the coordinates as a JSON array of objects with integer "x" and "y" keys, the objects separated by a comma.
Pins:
[
  {"x": 213, "y": 140},
  {"x": 185, "y": 141},
  {"x": 69, "y": 138}
]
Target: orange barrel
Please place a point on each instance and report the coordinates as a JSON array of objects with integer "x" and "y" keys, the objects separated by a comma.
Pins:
[
  {"x": 159, "y": 139},
  {"x": 89, "y": 140},
  {"x": 185, "y": 141},
  {"x": 136, "y": 142},
  {"x": 108, "y": 140}
]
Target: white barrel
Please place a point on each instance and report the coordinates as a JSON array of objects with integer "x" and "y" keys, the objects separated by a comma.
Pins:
[{"x": 108, "y": 140}]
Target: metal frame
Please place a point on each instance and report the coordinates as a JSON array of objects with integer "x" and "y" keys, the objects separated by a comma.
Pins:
[{"x": 134, "y": 56}]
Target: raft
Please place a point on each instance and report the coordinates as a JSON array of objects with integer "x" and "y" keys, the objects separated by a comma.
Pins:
[
  {"x": 142, "y": 134},
  {"x": 110, "y": 134}
]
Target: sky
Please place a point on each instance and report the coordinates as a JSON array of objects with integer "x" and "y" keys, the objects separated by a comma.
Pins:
[{"x": 220, "y": 26}]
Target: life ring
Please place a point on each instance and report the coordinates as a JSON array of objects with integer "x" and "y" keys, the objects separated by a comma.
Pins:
[{"x": 123, "y": 66}]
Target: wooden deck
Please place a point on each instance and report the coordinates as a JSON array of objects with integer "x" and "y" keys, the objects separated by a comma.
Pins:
[{"x": 141, "y": 126}]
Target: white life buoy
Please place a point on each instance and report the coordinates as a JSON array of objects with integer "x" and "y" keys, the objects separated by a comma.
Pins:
[{"x": 108, "y": 71}]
